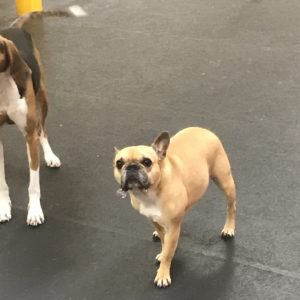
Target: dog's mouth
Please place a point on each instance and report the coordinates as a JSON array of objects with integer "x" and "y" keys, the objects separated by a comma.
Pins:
[
  {"x": 134, "y": 185},
  {"x": 134, "y": 181}
]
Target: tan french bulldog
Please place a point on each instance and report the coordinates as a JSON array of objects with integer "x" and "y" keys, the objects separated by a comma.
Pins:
[{"x": 167, "y": 178}]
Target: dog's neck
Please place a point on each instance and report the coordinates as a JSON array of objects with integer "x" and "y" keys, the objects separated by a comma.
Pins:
[
  {"x": 8, "y": 89},
  {"x": 4, "y": 80},
  {"x": 147, "y": 203},
  {"x": 137, "y": 193}
]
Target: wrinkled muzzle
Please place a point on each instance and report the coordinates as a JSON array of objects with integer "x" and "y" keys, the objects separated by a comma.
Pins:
[{"x": 134, "y": 177}]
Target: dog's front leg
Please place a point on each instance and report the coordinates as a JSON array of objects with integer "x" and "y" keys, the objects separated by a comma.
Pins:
[
  {"x": 5, "y": 204},
  {"x": 171, "y": 237},
  {"x": 35, "y": 214}
]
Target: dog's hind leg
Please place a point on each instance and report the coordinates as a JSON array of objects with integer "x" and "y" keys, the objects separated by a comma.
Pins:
[
  {"x": 51, "y": 159},
  {"x": 5, "y": 204},
  {"x": 221, "y": 173}
]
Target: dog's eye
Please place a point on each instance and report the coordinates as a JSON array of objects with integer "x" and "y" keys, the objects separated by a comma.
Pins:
[
  {"x": 119, "y": 164},
  {"x": 147, "y": 162}
]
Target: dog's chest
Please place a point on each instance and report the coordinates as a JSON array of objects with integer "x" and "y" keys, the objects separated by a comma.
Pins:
[
  {"x": 10, "y": 103},
  {"x": 8, "y": 91},
  {"x": 149, "y": 206}
]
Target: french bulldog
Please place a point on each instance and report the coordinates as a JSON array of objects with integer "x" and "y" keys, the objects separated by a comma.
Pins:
[{"x": 165, "y": 179}]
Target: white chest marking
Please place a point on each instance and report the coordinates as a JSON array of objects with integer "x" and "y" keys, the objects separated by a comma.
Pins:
[
  {"x": 149, "y": 206},
  {"x": 10, "y": 102}
]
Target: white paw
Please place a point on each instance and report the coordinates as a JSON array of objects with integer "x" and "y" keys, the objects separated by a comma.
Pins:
[
  {"x": 227, "y": 233},
  {"x": 162, "y": 280},
  {"x": 158, "y": 257},
  {"x": 5, "y": 209},
  {"x": 35, "y": 215},
  {"x": 52, "y": 161}
]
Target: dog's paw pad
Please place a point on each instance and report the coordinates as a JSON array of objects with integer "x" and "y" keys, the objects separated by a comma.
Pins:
[
  {"x": 162, "y": 281},
  {"x": 155, "y": 236},
  {"x": 35, "y": 216},
  {"x": 227, "y": 233},
  {"x": 5, "y": 211},
  {"x": 52, "y": 161}
]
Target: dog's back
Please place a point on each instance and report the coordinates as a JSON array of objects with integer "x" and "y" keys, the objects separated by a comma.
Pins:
[
  {"x": 200, "y": 156},
  {"x": 195, "y": 146}
]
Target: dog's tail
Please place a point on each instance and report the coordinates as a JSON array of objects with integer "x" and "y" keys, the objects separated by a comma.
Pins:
[{"x": 22, "y": 20}]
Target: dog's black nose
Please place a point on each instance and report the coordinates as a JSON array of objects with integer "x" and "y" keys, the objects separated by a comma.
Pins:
[{"x": 133, "y": 167}]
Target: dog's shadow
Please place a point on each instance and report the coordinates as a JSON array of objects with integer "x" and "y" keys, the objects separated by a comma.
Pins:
[
  {"x": 193, "y": 277},
  {"x": 209, "y": 279},
  {"x": 213, "y": 282}
]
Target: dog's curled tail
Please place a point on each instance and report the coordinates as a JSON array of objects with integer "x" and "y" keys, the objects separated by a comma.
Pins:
[{"x": 22, "y": 20}]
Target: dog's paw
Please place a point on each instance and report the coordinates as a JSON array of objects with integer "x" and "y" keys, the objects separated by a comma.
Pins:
[
  {"x": 155, "y": 236},
  {"x": 227, "y": 233},
  {"x": 35, "y": 215},
  {"x": 5, "y": 209},
  {"x": 162, "y": 279},
  {"x": 52, "y": 160}
]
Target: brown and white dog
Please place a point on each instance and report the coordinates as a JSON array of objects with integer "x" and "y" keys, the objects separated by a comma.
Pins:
[
  {"x": 166, "y": 179},
  {"x": 23, "y": 101}
]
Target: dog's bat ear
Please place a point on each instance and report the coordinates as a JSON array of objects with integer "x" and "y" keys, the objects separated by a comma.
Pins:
[
  {"x": 161, "y": 144},
  {"x": 19, "y": 70},
  {"x": 116, "y": 150}
]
